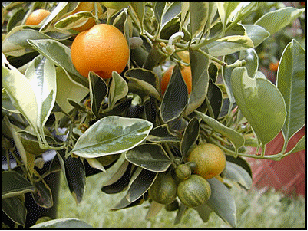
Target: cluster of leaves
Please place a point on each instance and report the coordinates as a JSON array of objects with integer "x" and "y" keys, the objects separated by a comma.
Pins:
[{"x": 126, "y": 118}]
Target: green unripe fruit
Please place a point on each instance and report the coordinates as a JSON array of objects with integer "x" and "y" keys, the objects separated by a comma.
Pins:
[
  {"x": 183, "y": 171},
  {"x": 194, "y": 191},
  {"x": 163, "y": 190}
]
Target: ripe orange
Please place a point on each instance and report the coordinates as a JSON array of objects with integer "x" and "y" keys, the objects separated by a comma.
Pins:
[
  {"x": 85, "y": 6},
  {"x": 186, "y": 73},
  {"x": 37, "y": 16},
  {"x": 102, "y": 49},
  {"x": 209, "y": 158}
]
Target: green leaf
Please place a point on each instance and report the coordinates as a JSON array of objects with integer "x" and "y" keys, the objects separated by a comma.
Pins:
[
  {"x": 20, "y": 90},
  {"x": 143, "y": 74},
  {"x": 215, "y": 97},
  {"x": 199, "y": 64},
  {"x": 236, "y": 138},
  {"x": 15, "y": 209},
  {"x": 75, "y": 176},
  {"x": 204, "y": 212},
  {"x": 175, "y": 98},
  {"x": 110, "y": 135},
  {"x": 15, "y": 42},
  {"x": 256, "y": 33},
  {"x": 14, "y": 184},
  {"x": 149, "y": 156},
  {"x": 276, "y": 20},
  {"x": 300, "y": 145},
  {"x": 222, "y": 202},
  {"x": 73, "y": 21},
  {"x": 260, "y": 102},
  {"x": 190, "y": 136},
  {"x": 98, "y": 91},
  {"x": 140, "y": 185},
  {"x": 225, "y": 9},
  {"x": 199, "y": 14},
  {"x": 68, "y": 89},
  {"x": 138, "y": 8},
  {"x": 252, "y": 61},
  {"x": 158, "y": 10},
  {"x": 63, "y": 223},
  {"x": 17, "y": 16},
  {"x": 162, "y": 134},
  {"x": 291, "y": 82},
  {"x": 171, "y": 12},
  {"x": 240, "y": 161},
  {"x": 42, "y": 194},
  {"x": 118, "y": 89},
  {"x": 51, "y": 50},
  {"x": 42, "y": 76},
  {"x": 229, "y": 45},
  {"x": 238, "y": 174}
]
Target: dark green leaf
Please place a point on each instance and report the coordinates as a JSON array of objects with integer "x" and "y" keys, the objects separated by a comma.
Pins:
[
  {"x": 143, "y": 74},
  {"x": 14, "y": 184},
  {"x": 110, "y": 135},
  {"x": 199, "y": 64},
  {"x": 175, "y": 98},
  {"x": 162, "y": 134},
  {"x": 15, "y": 209},
  {"x": 75, "y": 176},
  {"x": 172, "y": 11},
  {"x": 291, "y": 82},
  {"x": 155, "y": 57},
  {"x": 158, "y": 10},
  {"x": 42, "y": 194},
  {"x": 18, "y": 15},
  {"x": 222, "y": 202},
  {"x": 204, "y": 212},
  {"x": 214, "y": 96},
  {"x": 140, "y": 185},
  {"x": 98, "y": 91},
  {"x": 149, "y": 156},
  {"x": 138, "y": 8},
  {"x": 190, "y": 136}
]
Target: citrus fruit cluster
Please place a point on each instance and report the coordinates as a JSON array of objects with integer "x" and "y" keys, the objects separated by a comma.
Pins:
[{"x": 191, "y": 188}]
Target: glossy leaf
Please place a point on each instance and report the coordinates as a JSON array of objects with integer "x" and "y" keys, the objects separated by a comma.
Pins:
[
  {"x": 98, "y": 91},
  {"x": 171, "y": 12},
  {"x": 15, "y": 209},
  {"x": 215, "y": 97},
  {"x": 175, "y": 98},
  {"x": 68, "y": 89},
  {"x": 260, "y": 102},
  {"x": 238, "y": 174},
  {"x": 149, "y": 156},
  {"x": 118, "y": 89},
  {"x": 256, "y": 33},
  {"x": 63, "y": 223},
  {"x": 110, "y": 135},
  {"x": 252, "y": 61},
  {"x": 140, "y": 185},
  {"x": 199, "y": 14},
  {"x": 240, "y": 161},
  {"x": 75, "y": 176},
  {"x": 229, "y": 45},
  {"x": 143, "y": 74},
  {"x": 222, "y": 202},
  {"x": 199, "y": 64},
  {"x": 291, "y": 82},
  {"x": 14, "y": 184},
  {"x": 236, "y": 138},
  {"x": 51, "y": 50},
  {"x": 190, "y": 136},
  {"x": 158, "y": 10},
  {"x": 274, "y": 21},
  {"x": 73, "y": 21}
]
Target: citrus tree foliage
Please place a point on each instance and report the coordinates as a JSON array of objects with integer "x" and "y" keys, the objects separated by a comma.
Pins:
[{"x": 126, "y": 118}]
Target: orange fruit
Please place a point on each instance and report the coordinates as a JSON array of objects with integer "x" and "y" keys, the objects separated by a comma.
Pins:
[
  {"x": 85, "y": 6},
  {"x": 102, "y": 49},
  {"x": 37, "y": 16},
  {"x": 209, "y": 158},
  {"x": 186, "y": 73},
  {"x": 274, "y": 66}
]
